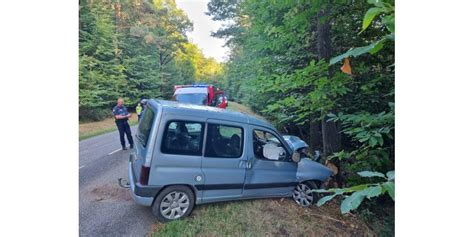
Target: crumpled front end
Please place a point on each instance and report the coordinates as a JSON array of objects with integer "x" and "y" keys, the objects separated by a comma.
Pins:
[{"x": 311, "y": 170}]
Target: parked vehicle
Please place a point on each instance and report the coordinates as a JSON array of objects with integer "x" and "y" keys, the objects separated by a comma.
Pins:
[
  {"x": 201, "y": 95},
  {"x": 187, "y": 155}
]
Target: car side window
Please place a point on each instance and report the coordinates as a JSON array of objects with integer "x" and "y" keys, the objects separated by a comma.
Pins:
[
  {"x": 183, "y": 138},
  {"x": 224, "y": 141},
  {"x": 267, "y": 146}
]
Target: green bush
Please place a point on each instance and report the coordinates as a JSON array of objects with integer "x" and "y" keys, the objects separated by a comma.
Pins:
[{"x": 94, "y": 114}]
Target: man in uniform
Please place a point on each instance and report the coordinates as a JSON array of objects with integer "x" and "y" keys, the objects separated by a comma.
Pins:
[{"x": 121, "y": 119}]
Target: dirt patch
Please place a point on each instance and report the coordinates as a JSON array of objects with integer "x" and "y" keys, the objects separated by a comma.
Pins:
[
  {"x": 109, "y": 192},
  {"x": 290, "y": 219}
]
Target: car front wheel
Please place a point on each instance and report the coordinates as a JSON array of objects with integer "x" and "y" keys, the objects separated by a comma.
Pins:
[
  {"x": 303, "y": 194},
  {"x": 173, "y": 203}
]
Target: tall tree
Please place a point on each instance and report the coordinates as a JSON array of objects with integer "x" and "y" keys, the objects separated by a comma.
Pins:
[{"x": 135, "y": 49}]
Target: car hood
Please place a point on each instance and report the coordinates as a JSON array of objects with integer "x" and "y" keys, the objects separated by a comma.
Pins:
[{"x": 295, "y": 142}]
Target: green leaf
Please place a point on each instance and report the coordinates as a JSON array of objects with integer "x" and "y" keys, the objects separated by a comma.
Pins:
[
  {"x": 352, "y": 202},
  {"x": 391, "y": 175},
  {"x": 378, "y": 3},
  {"x": 390, "y": 37},
  {"x": 374, "y": 47},
  {"x": 380, "y": 141},
  {"x": 390, "y": 188},
  {"x": 374, "y": 191},
  {"x": 325, "y": 199},
  {"x": 357, "y": 188},
  {"x": 321, "y": 191},
  {"x": 377, "y": 47},
  {"x": 370, "y": 174},
  {"x": 389, "y": 22},
  {"x": 372, "y": 141},
  {"x": 369, "y": 17}
]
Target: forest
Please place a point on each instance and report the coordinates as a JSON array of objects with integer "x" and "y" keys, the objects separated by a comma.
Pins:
[
  {"x": 322, "y": 70},
  {"x": 135, "y": 49}
]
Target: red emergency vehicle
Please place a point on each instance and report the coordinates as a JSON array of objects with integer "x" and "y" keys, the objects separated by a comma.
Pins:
[{"x": 200, "y": 94}]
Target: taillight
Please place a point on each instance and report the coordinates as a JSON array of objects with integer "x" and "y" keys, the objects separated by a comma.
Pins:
[{"x": 144, "y": 174}]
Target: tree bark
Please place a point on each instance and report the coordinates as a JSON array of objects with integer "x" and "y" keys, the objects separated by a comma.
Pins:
[
  {"x": 315, "y": 136},
  {"x": 331, "y": 137},
  {"x": 330, "y": 130}
]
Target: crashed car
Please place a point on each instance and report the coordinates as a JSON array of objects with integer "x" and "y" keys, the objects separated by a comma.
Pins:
[{"x": 187, "y": 155}]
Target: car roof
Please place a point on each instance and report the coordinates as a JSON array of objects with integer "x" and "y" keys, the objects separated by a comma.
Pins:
[{"x": 208, "y": 112}]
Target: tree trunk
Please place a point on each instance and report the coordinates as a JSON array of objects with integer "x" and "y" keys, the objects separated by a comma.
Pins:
[
  {"x": 331, "y": 137},
  {"x": 323, "y": 34},
  {"x": 330, "y": 130},
  {"x": 315, "y": 136}
]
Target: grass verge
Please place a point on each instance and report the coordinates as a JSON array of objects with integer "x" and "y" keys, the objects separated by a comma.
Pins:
[
  {"x": 263, "y": 217},
  {"x": 91, "y": 129}
]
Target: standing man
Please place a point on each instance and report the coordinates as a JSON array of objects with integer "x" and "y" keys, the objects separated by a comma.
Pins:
[
  {"x": 139, "y": 109},
  {"x": 121, "y": 119}
]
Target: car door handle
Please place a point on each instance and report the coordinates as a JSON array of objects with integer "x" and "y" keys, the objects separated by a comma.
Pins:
[{"x": 249, "y": 165}]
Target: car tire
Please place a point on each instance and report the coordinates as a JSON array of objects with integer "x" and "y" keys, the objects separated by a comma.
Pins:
[
  {"x": 302, "y": 195},
  {"x": 173, "y": 203}
]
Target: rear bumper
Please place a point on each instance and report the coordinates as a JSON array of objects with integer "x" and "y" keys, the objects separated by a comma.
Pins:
[{"x": 142, "y": 195}]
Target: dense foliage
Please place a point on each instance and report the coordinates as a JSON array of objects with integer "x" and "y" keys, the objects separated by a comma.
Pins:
[
  {"x": 135, "y": 49},
  {"x": 284, "y": 63}
]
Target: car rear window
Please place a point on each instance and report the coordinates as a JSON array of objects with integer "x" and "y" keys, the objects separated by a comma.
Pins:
[
  {"x": 144, "y": 127},
  {"x": 198, "y": 99},
  {"x": 183, "y": 138}
]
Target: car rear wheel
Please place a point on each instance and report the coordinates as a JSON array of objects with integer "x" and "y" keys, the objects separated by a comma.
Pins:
[
  {"x": 173, "y": 203},
  {"x": 303, "y": 194}
]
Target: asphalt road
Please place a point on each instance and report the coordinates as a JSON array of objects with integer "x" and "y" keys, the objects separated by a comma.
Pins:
[{"x": 105, "y": 209}]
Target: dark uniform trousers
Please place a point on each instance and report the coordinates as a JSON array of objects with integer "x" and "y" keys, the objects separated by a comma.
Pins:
[{"x": 123, "y": 127}]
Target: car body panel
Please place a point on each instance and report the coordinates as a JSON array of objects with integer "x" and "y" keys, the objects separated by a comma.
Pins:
[
  {"x": 311, "y": 170},
  {"x": 268, "y": 177},
  {"x": 172, "y": 169},
  {"x": 224, "y": 177},
  {"x": 144, "y": 201}
]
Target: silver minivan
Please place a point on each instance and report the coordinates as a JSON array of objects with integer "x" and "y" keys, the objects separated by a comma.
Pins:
[{"x": 189, "y": 154}]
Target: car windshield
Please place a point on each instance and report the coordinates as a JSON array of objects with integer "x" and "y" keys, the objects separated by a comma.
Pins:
[{"x": 198, "y": 98}]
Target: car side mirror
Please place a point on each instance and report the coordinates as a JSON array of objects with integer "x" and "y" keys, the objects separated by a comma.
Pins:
[{"x": 296, "y": 157}]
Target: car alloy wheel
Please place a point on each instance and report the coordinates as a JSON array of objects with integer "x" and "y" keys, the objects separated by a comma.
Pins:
[
  {"x": 174, "y": 205},
  {"x": 303, "y": 195}
]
